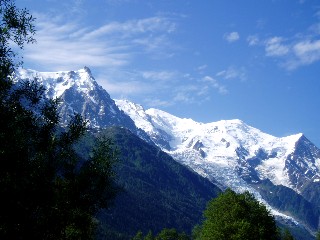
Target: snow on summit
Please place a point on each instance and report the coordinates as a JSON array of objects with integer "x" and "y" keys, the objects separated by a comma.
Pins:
[
  {"x": 56, "y": 83},
  {"x": 207, "y": 147},
  {"x": 230, "y": 153}
]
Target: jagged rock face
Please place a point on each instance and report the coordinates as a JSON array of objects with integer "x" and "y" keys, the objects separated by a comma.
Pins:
[
  {"x": 302, "y": 164},
  {"x": 80, "y": 93},
  {"x": 97, "y": 107}
]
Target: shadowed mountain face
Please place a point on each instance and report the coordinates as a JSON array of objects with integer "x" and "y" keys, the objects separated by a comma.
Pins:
[{"x": 156, "y": 191}]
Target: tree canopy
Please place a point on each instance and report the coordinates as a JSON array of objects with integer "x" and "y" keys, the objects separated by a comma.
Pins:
[
  {"x": 236, "y": 216},
  {"x": 164, "y": 234}
]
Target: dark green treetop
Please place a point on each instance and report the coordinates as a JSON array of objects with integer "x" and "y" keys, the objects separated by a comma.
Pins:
[{"x": 236, "y": 216}]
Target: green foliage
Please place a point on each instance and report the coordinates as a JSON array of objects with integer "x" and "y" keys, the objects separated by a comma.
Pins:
[
  {"x": 165, "y": 234},
  {"x": 286, "y": 235},
  {"x": 16, "y": 27},
  {"x": 47, "y": 190},
  {"x": 171, "y": 234},
  {"x": 157, "y": 191},
  {"x": 138, "y": 236},
  {"x": 236, "y": 216},
  {"x": 149, "y": 236},
  {"x": 318, "y": 235}
]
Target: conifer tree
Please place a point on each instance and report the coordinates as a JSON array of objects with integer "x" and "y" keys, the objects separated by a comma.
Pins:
[
  {"x": 287, "y": 235},
  {"x": 47, "y": 190}
]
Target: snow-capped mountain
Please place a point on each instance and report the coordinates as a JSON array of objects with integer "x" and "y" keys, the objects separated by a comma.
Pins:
[
  {"x": 281, "y": 172},
  {"x": 232, "y": 153},
  {"x": 244, "y": 152},
  {"x": 80, "y": 93}
]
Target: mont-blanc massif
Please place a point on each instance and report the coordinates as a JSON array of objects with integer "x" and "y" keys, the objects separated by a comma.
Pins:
[{"x": 283, "y": 173}]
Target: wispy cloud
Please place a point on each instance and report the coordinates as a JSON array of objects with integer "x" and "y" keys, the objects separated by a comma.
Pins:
[
  {"x": 232, "y": 37},
  {"x": 202, "y": 67},
  {"x": 253, "y": 40},
  {"x": 305, "y": 53},
  {"x": 112, "y": 50},
  {"x": 195, "y": 90},
  {"x": 215, "y": 84},
  {"x": 132, "y": 83},
  {"x": 133, "y": 27},
  {"x": 125, "y": 88},
  {"x": 275, "y": 47},
  {"x": 294, "y": 53},
  {"x": 158, "y": 103},
  {"x": 69, "y": 46},
  {"x": 161, "y": 76},
  {"x": 233, "y": 73}
]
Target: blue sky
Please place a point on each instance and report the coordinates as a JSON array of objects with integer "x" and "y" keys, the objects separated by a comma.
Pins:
[{"x": 258, "y": 61}]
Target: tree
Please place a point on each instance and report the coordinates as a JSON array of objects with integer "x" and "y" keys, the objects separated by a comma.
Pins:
[
  {"x": 47, "y": 190},
  {"x": 171, "y": 234},
  {"x": 287, "y": 235},
  {"x": 165, "y": 234},
  {"x": 16, "y": 26},
  {"x": 138, "y": 236},
  {"x": 236, "y": 216},
  {"x": 149, "y": 236},
  {"x": 318, "y": 235}
]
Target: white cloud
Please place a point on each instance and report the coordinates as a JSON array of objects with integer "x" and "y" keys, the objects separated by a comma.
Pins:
[
  {"x": 156, "y": 46},
  {"x": 295, "y": 53},
  {"x": 304, "y": 53},
  {"x": 202, "y": 67},
  {"x": 192, "y": 93},
  {"x": 232, "y": 37},
  {"x": 274, "y": 47},
  {"x": 157, "y": 103},
  {"x": 162, "y": 76},
  {"x": 215, "y": 84},
  {"x": 184, "y": 97},
  {"x": 133, "y": 27},
  {"x": 233, "y": 73},
  {"x": 307, "y": 51},
  {"x": 253, "y": 40},
  {"x": 124, "y": 88},
  {"x": 63, "y": 46}
]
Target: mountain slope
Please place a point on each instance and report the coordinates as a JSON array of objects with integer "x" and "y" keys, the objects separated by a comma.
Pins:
[
  {"x": 157, "y": 192},
  {"x": 236, "y": 155}
]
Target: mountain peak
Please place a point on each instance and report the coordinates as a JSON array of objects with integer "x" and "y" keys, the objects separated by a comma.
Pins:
[
  {"x": 87, "y": 70},
  {"x": 227, "y": 143},
  {"x": 56, "y": 83}
]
